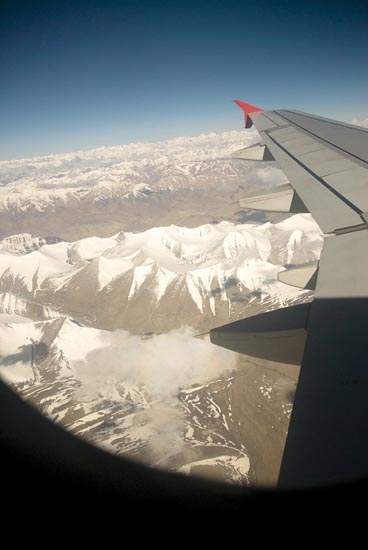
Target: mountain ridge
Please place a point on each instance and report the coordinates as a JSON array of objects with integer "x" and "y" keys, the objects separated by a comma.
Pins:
[{"x": 165, "y": 277}]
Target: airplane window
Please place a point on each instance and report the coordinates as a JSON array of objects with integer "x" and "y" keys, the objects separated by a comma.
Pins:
[{"x": 143, "y": 233}]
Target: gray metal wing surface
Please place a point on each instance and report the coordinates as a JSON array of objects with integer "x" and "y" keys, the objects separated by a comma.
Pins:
[{"x": 326, "y": 162}]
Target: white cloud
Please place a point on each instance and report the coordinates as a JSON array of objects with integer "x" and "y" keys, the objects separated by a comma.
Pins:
[
  {"x": 360, "y": 122},
  {"x": 162, "y": 364},
  {"x": 152, "y": 371}
]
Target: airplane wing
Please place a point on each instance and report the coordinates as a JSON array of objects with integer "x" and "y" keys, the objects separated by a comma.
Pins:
[{"x": 326, "y": 163}]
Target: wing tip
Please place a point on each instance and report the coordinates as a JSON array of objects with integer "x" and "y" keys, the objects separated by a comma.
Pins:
[{"x": 247, "y": 109}]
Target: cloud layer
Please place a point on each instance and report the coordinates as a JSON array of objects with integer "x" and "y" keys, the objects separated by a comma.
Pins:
[{"x": 163, "y": 364}]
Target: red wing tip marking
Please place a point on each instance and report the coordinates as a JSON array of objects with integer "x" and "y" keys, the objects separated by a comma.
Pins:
[{"x": 247, "y": 108}]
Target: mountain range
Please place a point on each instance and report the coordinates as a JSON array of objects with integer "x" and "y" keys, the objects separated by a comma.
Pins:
[
  {"x": 158, "y": 280},
  {"x": 185, "y": 181},
  {"x": 114, "y": 265}
]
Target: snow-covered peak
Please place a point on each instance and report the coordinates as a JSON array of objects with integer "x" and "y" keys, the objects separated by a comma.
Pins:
[
  {"x": 207, "y": 269},
  {"x": 32, "y": 269}
]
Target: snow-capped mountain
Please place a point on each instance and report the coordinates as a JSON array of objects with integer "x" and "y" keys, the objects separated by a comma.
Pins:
[
  {"x": 162, "y": 278},
  {"x": 129, "y": 187},
  {"x": 134, "y": 169},
  {"x": 106, "y": 258},
  {"x": 171, "y": 401}
]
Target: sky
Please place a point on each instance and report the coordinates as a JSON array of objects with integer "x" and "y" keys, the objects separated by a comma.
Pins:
[{"x": 78, "y": 75}]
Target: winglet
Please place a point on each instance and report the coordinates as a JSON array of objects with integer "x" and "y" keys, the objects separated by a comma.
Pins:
[{"x": 247, "y": 108}]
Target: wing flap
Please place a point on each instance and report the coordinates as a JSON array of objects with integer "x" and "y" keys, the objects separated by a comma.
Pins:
[
  {"x": 283, "y": 198},
  {"x": 275, "y": 336},
  {"x": 259, "y": 151},
  {"x": 302, "y": 276}
]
